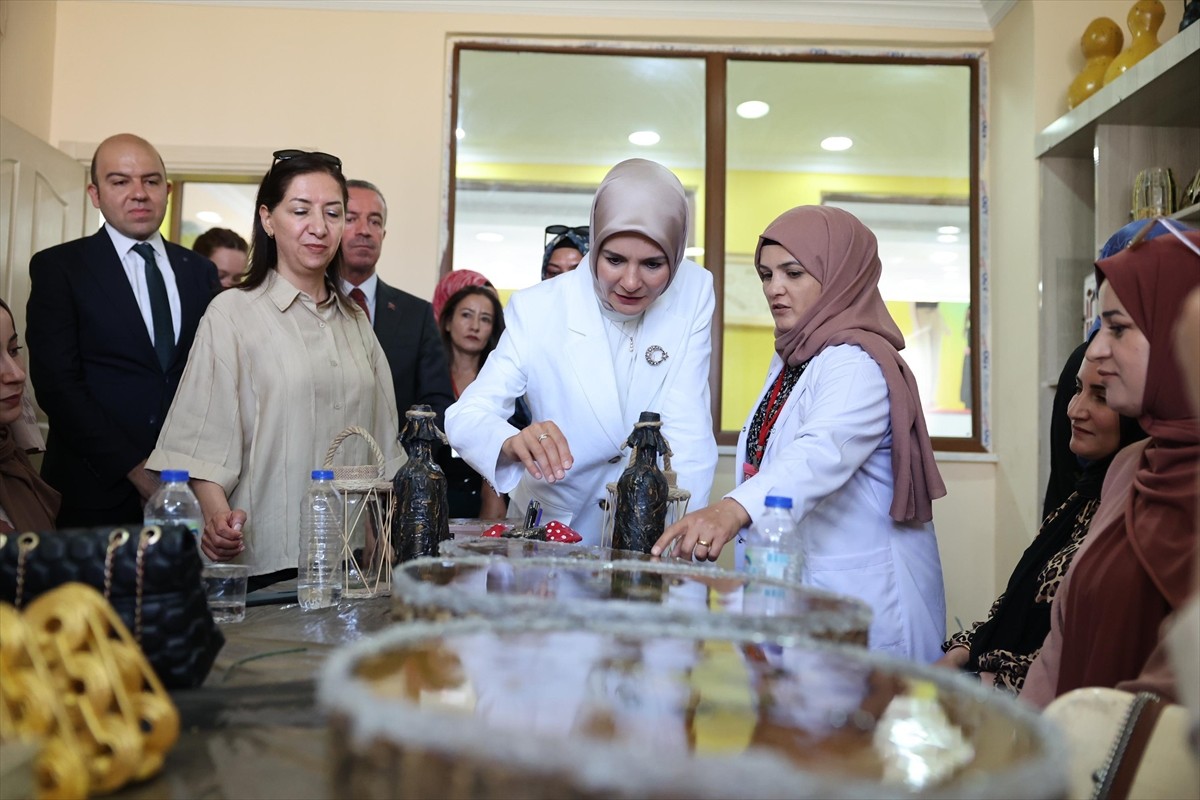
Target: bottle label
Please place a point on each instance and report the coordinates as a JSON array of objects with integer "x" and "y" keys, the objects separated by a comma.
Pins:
[{"x": 767, "y": 562}]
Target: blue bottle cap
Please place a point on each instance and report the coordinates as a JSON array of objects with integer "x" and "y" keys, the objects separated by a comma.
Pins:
[
  {"x": 775, "y": 501},
  {"x": 174, "y": 476},
  {"x": 322, "y": 474}
]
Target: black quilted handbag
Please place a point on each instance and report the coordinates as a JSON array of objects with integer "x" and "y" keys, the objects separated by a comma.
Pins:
[{"x": 151, "y": 576}]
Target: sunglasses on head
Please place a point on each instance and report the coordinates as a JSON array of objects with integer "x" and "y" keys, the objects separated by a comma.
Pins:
[
  {"x": 558, "y": 230},
  {"x": 1167, "y": 223},
  {"x": 284, "y": 155}
]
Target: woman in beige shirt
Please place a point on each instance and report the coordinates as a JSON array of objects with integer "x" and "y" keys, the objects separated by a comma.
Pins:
[{"x": 280, "y": 366}]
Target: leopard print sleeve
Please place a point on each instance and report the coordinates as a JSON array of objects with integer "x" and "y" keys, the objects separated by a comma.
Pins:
[
  {"x": 1010, "y": 669},
  {"x": 964, "y": 638}
]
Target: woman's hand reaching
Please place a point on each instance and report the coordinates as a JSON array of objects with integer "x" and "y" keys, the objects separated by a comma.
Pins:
[
  {"x": 702, "y": 534},
  {"x": 543, "y": 450}
]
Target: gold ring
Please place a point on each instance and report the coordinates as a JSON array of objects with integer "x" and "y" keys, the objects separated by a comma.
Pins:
[
  {"x": 543, "y": 436},
  {"x": 702, "y": 543}
]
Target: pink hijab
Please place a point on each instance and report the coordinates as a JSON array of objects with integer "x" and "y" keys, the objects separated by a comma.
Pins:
[
  {"x": 452, "y": 282},
  {"x": 843, "y": 255},
  {"x": 1152, "y": 280}
]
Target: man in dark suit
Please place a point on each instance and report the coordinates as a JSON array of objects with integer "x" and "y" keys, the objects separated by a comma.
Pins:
[
  {"x": 403, "y": 323},
  {"x": 111, "y": 318}
]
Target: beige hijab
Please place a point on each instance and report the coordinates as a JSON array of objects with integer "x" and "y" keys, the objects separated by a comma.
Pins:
[
  {"x": 842, "y": 253},
  {"x": 640, "y": 196}
]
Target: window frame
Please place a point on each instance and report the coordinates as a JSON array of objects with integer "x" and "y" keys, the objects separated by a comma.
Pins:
[{"x": 717, "y": 58}]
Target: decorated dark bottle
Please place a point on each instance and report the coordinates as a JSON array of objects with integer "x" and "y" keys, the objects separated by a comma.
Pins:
[
  {"x": 422, "y": 517},
  {"x": 642, "y": 490}
]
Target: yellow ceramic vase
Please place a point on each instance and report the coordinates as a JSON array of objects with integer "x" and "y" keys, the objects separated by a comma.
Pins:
[
  {"x": 1100, "y": 43},
  {"x": 1144, "y": 20}
]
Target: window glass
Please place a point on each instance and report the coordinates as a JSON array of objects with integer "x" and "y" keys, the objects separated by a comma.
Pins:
[
  {"x": 536, "y": 133},
  {"x": 902, "y": 165},
  {"x": 212, "y": 203}
]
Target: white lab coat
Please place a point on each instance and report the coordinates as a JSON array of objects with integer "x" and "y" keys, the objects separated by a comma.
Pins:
[
  {"x": 555, "y": 351},
  {"x": 830, "y": 451}
]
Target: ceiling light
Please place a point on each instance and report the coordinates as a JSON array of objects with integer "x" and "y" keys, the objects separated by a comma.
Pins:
[
  {"x": 644, "y": 138},
  {"x": 459, "y": 134},
  {"x": 693, "y": 252},
  {"x": 488, "y": 236},
  {"x": 753, "y": 109},
  {"x": 836, "y": 143},
  {"x": 211, "y": 217},
  {"x": 947, "y": 238},
  {"x": 943, "y": 256},
  {"x": 949, "y": 229}
]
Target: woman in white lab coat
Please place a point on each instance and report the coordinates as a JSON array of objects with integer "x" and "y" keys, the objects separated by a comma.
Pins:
[
  {"x": 591, "y": 350},
  {"x": 839, "y": 429}
]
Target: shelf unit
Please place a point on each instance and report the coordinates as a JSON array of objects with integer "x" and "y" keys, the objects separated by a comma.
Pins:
[{"x": 1087, "y": 162}]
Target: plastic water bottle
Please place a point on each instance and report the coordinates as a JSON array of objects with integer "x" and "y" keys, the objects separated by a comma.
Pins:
[
  {"x": 320, "y": 583},
  {"x": 773, "y": 550},
  {"x": 174, "y": 504}
]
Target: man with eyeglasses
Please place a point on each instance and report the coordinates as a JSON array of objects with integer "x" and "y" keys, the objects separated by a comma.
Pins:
[
  {"x": 403, "y": 322},
  {"x": 111, "y": 318},
  {"x": 565, "y": 248}
]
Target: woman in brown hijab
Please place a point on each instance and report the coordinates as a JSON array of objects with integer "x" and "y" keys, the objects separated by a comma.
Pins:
[
  {"x": 838, "y": 429},
  {"x": 27, "y": 503},
  {"x": 591, "y": 350},
  {"x": 1134, "y": 568}
]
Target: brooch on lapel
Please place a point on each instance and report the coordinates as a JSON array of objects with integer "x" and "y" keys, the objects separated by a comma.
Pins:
[
  {"x": 655, "y": 355},
  {"x": 391, "y": 306}
]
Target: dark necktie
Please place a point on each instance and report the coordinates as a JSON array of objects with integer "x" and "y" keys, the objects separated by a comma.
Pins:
[
  {"x": 160, "y": 306},
  {"x": 356, "y": 294}
]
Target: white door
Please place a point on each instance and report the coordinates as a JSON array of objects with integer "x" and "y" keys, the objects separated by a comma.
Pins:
[{"x": 43, "y": 202}]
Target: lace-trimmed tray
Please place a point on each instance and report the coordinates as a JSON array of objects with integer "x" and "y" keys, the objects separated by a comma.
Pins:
[
  {"x": 538, "y": 706},
  {"x": 677, "y": 592}
]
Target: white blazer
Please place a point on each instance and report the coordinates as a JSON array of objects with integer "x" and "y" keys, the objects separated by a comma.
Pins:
[
  {"x": 555, "y": 351},
  {"x": 831, "y": 452}
]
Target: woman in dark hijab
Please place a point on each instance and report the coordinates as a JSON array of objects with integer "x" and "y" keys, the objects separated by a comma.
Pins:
[{"x": 1000, "y": 648}]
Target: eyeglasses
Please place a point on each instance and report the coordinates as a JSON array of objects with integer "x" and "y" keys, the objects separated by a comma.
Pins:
[
  {"x": 284, "y": 155},
  {"x": 579, "y": 231}
]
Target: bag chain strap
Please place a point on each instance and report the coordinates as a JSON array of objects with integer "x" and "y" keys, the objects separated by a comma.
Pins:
[
  {"x": 26, "y": 544},
  {"x": 150, "y": 536},
  {"x": 115, "y": 539}
]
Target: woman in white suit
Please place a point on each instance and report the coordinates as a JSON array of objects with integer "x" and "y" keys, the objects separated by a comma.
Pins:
[
  {"x": 839, "y": 429},
  {"x": 591, "y": 350}
]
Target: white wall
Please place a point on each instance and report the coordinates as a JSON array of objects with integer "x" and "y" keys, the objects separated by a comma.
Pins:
[
  {"x": 27, "y": 35},
  {"x": 368, "y": 86}
]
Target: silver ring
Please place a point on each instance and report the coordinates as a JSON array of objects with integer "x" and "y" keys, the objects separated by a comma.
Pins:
[{"x": 544, "y": 436}]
